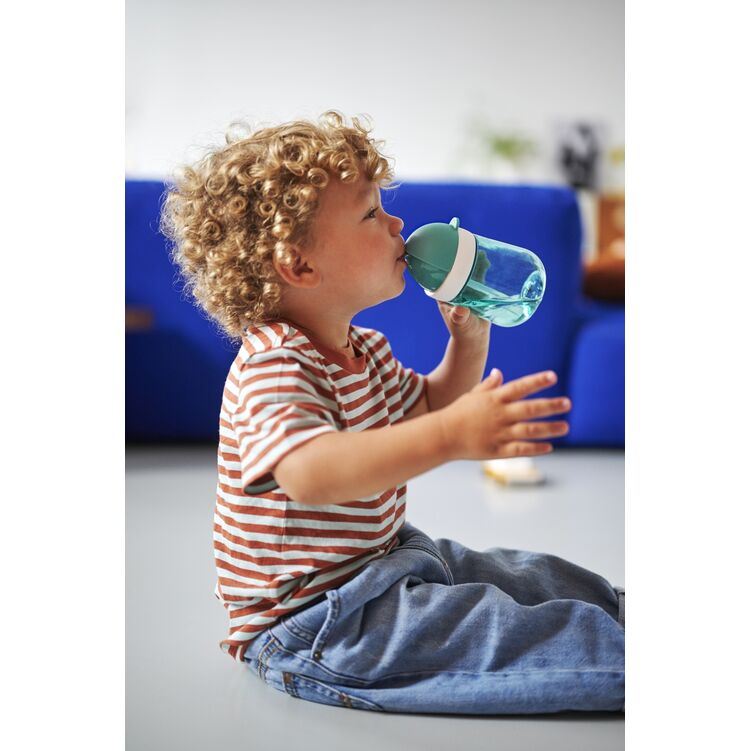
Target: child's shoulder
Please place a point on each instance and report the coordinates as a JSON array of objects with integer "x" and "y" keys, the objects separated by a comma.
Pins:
[
  {"x": 278, "y": 335},
  {"x": 268, "y": 341},
  {"x": 265, "y": 337}
]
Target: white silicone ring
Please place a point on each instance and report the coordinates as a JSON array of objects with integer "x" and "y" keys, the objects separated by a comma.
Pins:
[{"x": 458, "y": 276}]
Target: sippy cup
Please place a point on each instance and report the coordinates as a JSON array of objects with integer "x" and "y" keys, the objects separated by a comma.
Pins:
[{"x": 498, "y": 281}]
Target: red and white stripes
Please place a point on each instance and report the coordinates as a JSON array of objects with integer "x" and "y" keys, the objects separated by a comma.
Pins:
[{"x": 274, "y": 555}]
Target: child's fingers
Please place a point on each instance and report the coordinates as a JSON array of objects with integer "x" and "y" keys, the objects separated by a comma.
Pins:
[
  {"x": 530, "y": 409},
  {"x": 455, "y": 313},
  {"x": 521, "y": 387},
  {"x": 535, "y": 430},
  {"x": 523, "y": 448},
  {"x": 492, "y": 381}
]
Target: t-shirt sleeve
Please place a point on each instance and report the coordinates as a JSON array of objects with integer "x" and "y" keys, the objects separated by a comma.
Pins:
[
  {"x": 411, "y": 385},
  {"x": 280, "y": 407}
]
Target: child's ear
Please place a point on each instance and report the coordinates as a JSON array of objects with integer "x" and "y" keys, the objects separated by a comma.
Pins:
[{"x": 298, "y": 273}]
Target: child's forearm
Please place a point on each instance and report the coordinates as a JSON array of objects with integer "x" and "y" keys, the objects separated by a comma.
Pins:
[
  {"x": 460, "y": 370},
  {"x": 344, "y": 466}
]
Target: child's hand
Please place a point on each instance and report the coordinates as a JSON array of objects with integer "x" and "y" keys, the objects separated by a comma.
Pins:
[
  {"x": 463, "y": 325},
  {"x": 492, "y": 420}
]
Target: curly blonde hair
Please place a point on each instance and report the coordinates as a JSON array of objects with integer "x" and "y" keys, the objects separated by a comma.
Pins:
[{"x": 247, "y": 202}]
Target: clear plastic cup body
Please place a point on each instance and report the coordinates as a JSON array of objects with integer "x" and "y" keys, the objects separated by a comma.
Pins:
[{"x": 506, "y": 284}]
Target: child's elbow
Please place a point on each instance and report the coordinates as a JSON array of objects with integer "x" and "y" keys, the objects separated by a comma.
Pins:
[
  {"x": 309, "y": 473},
  {"x": 296, "y": 480},
  {"x": 287, "y": 479}
]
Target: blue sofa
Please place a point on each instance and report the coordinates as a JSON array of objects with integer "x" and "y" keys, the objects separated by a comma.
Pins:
[{"x": 175, "y": 368}]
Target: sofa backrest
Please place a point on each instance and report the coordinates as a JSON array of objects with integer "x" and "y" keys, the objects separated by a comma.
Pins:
[
  {"x": 175, "y": 372},
  {"x": 544, "y": 220}
]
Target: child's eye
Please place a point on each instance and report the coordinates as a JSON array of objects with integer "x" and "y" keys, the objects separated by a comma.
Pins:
[{"x": 371, "y": 214}]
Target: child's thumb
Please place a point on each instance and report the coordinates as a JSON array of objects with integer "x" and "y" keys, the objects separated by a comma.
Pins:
[{"x": 495, "y": 378}]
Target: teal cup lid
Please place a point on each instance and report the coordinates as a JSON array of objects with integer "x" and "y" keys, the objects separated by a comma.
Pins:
[{"x": 440, "y": 257}]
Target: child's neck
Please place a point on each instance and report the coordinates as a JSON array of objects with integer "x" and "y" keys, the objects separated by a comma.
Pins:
[{"x": 331, "y": 334}]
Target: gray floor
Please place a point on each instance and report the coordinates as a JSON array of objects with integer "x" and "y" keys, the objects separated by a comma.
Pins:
[{"x": 183, "y": 693}]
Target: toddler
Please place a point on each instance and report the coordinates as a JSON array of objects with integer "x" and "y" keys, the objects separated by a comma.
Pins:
[{"x": 332, "y": 595}]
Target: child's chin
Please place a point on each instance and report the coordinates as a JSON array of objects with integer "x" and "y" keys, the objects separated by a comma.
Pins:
[
  {"x": 401, "y": 289},
  {"x": 387, "y": 296}
]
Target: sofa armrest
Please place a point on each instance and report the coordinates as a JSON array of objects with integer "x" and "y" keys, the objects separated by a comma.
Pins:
[{"x": 596, "y": 379}]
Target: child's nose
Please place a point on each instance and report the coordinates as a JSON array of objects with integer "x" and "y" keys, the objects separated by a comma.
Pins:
[{"x": 397, "y": 225}]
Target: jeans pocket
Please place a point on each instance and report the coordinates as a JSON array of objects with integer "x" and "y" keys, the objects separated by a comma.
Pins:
[
  {"x": 307, "y": 622},
  {"x": 303, "y": 687},
  {"x": 308, "y": 631},
  {"x": 332, "y": 614}
]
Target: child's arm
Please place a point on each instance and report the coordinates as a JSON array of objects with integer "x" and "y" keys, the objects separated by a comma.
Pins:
[
  {"x": 459, "y": 371},
  {"x": 488, "y": 422},
  {"x": 464, "y": 360}
]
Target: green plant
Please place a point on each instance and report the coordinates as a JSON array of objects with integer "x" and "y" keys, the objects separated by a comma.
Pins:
[{"x": 509, "y": 146}]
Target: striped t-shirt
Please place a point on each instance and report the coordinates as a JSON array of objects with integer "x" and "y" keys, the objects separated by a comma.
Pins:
[{"x": 275, "y": 555}]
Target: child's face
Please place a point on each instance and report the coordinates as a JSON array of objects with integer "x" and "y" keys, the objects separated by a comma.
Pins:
[{"x": 357, "y": 247}]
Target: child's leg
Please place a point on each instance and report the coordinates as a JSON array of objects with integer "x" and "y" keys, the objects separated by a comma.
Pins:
[
  {"x": 404, "y": 636},
  {"x": 531, "y": 578}
]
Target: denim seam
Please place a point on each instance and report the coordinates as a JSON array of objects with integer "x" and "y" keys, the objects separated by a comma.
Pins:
[
  {"x": 344, "y": 699},
  {"x": 310, "y": 662},
  {"x": 289, "y": 686},
  {"x": 501, "y": 674},
  {"x": 319, "y": 643},
  {"x": 427, "y": 550},
  {"x": 298, "y": 631},
  {"x": 363, "y": 683},
  {"x": 259, "y": 657},
  {"x": 267, "y": 652}
]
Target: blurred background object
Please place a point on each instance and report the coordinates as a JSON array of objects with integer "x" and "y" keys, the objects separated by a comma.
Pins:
[
  {"x": 605, "y": 270},
  {"x": 512, "y": 148},
  {"x": 516, "y": 127},
  {"x": 497, "y": 152},
  {"x": 611, "y": 222},
  {"x": 426, "y": 73},
  {"x": 519, "y": 470},
  {"x": 578, "y": 155}
]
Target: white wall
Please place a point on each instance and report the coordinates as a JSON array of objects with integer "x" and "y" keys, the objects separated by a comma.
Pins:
[{"x": 422, "y": 70}]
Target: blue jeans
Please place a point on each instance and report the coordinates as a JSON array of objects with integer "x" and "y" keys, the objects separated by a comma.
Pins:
[{"x": 436, "y": 627}]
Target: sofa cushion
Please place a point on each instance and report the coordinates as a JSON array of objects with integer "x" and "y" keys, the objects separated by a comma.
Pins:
[{"x": 596, "y": 382}]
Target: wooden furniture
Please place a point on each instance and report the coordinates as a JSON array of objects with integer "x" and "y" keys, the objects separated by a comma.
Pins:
[
  {"x": 138, "y": 318},
  {"x": 611, "y": 224}
]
